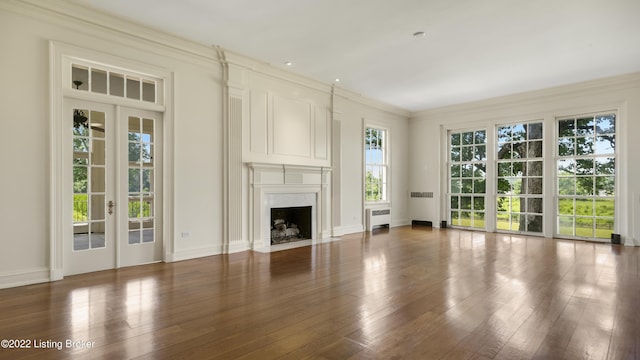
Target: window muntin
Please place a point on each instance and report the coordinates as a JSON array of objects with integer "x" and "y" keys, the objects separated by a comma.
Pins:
[
  {"x": 89, "y": 180},
  {"x": 586, "y": 169},
  {"x": 113, "y": 82},
  {"x": 141, "y": 173},
  {"x": 519, "y": 171},
  {"x": 467, "y": 178},
  {"x": 376, "y": 166}
]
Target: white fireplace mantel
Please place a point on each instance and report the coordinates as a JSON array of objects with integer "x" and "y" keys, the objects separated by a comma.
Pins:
[{"x": 266, "y": 181}]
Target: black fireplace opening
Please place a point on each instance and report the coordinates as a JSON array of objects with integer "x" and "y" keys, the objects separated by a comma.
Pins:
[{"x": 290, "y": 224}]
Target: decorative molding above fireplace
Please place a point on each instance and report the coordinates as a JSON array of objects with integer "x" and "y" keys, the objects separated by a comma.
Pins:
[{"x": 274, "y": 185}]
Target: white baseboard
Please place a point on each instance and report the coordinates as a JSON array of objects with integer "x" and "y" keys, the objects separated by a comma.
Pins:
[
  {"x": 24, "y": 277},
  {"x": 236, "y": 246},
  {"x": 56, "y": 274},
  {"x": 344, "y": 230},
  {"x": 401, "y": 222},
  {"x": 193, "y": 253},
  {"x": 325, "y": 234}
]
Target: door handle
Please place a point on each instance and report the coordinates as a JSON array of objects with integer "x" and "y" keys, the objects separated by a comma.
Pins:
[{"x": 111, "y": 205}]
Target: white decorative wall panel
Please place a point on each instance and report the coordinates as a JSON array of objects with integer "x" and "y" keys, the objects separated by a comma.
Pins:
[
  {"x": 287, "y": 122},
  {"x": 258, "y": 122},
  {"x": 323, "y": 118},
  {"x": 292, "y": 121},
  {"x": 234, "y": 171}
]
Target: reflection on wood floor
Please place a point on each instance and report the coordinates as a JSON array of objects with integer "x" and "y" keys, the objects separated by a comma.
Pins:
[{"x": 402, "y": 293}]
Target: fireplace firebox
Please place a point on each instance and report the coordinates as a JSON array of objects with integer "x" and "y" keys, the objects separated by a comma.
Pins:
[{"x": 291, "y": 224}]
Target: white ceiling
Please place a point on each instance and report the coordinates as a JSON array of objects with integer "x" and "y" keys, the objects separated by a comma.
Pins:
[{"x": 473, "y": 49}]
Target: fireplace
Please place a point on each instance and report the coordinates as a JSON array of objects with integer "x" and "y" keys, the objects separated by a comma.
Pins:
[
  {"x": 291, "y": 224},
  {"x": 290, "y": 206},
  {"x": 289, "y": 219}
]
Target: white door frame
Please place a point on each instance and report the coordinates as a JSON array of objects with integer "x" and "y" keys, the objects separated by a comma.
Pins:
[{"x": 60, "y": 55}]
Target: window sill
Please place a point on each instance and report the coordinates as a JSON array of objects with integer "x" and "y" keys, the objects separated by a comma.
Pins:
[{"x": 377, "y": 204}]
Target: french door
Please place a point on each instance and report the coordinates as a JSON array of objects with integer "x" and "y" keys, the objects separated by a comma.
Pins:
[{"x": 112, "y": 193}]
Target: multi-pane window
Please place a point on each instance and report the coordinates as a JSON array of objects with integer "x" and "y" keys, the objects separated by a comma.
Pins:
[
  {"x": 141, "y": 180},
  {"x": 115, "y": 83},
  {"x": 467, "y": 178},
  {"x": 519, "y": 178},
  {"x": 376, "y": 167},
  {"x": 89, "y": 180},
  {"x": 586, "y": 176}
]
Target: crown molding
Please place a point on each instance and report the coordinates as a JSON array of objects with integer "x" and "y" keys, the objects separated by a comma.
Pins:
[
  {"x": 557, "y": 94},
  {"x": 268, "y": 70},
  {"x": 271, "y": 71},
  {"x": 377, "y": 104},
  {"x": 75, "y": 15}
]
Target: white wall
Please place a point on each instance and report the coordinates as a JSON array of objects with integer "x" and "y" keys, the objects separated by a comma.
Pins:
[
  {"x": 24, "y": 145},
  {"x": 621, "y": 94},
  {"x": 25, "y": 33},
  {"x": 198, "y": 160},
  {"x": 424, "y": 175},
  {"x": 352, "y": 114},
  {"x": 197, "y": 132}
]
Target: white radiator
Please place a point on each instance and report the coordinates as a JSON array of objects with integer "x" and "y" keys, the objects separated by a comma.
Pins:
[{"x": 377, "y": 217}]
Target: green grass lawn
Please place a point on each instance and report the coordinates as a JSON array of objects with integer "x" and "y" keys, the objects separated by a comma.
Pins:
[
  {"x": 136, "y": 209},
  {"x": 80, "y": 208},
  {"x": 587, "y": 232}
]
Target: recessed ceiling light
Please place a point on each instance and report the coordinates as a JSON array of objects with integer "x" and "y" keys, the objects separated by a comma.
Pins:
[
  {"x": 419, "y": 34},
  {"x": 337, "y": 80},
  {"x": 288, "y": 63}
]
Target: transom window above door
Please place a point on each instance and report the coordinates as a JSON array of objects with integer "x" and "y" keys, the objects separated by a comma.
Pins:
[{"x": 114, "y": 82}]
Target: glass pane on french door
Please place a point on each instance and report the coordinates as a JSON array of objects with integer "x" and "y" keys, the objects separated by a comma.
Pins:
[
  {"x": 140, "y": 232},
  {"x": 114, "y": 169},
  {"x": 89, "y": 179},
  {"x": 89, "y": 187},
  {"x": 141, "y": 180}
]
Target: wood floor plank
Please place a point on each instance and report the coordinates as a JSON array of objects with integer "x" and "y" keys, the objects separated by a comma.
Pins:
[{"x": 401, "y": 293}]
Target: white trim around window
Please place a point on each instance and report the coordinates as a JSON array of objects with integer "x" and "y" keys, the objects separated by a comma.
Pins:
[{"x": 376, "y": 165}]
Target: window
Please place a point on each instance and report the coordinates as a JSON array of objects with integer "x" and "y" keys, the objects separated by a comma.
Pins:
[
  {"x": 519, "y": 178},
  {"x": 586, "y": 176},
  {"x": 467, "y": 178},
  {"x": 376, "y": 167},
  {"x": 90, "y": 162},
  {"x": 142, "y": 192},
  {"x": 115, "y": 83}
]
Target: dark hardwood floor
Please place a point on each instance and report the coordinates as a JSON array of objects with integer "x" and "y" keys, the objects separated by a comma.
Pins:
[{"x": 402, "y": 293}]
